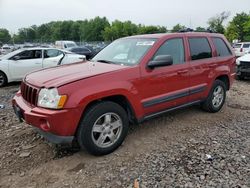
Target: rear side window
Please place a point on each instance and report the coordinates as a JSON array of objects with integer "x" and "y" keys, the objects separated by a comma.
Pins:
[
  {"x": 246, "y": 45},
  {"x": 221, "y": 47},
  {"x": 51, "y": 53},
  {"x": 199, "y": 48},
  {"x": 173, "y": 47}
]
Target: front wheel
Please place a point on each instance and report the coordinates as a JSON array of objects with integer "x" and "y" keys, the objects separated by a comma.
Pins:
[
  {"x": 103, "y": 128},
  {"x": 216, "y": 97}
]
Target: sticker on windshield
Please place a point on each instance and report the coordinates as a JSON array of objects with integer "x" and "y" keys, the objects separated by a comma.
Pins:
[{"x": 145, "y": 43}]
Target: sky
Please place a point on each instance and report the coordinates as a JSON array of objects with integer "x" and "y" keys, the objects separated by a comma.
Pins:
[{"x": 15, "y": 14}]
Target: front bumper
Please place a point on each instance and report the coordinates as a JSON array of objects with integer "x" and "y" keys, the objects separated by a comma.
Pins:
[
  {"x": 242, "y": 71},
  {"x": 57, "y": 126}
]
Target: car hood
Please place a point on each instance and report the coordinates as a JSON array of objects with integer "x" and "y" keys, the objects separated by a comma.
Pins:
[
  {"x": 61, "y": 75},
  {"x": 245, "y": 58}
]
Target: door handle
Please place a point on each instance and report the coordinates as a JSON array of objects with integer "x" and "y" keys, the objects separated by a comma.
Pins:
[
  {"x": 37, "y": 63},
  {"x": 182, "y": 71}
]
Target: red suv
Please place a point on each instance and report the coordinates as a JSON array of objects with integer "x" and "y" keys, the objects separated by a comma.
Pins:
[{"x": 131, "y": 80}]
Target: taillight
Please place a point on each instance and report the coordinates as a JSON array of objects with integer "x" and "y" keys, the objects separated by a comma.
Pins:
[{"x": 241, "y": 50}]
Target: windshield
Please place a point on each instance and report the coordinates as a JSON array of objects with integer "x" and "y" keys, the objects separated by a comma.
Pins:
[
  {"x": 9, "y": 55},
  {"x": 127, "y": 51},
  {"x": 70, "y": 45}
]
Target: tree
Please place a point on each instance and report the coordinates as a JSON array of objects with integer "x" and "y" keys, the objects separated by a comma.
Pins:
[
  {"x": 177, "y": 28},
  {"x": 94, "y": 29},
  {"x": 216, "y": 23},
  {"x": 151, "y": 29},
  {"x": 119, "y": 29},
  {"x": 239, "y": 27},
  {"x": 4, "y": 36},
  {"x": 200, "y": 29}
]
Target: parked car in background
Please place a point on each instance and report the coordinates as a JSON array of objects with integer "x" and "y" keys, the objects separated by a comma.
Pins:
[
  {"x": 63, "y": 44},
  {"x": 5, "y": 49},
  {"x": 131, "y": 80},
  {"x": 15, "y": 65},
  {"x": 82, "y": 50},
  {"x": 241, "y": 48},
  {"x": 243, "y": 66}
]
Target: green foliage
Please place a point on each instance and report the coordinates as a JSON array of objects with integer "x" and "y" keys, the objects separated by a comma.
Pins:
[
  {"x": 120, "y": 29},
  {"x": 239, "y": 27},
  {"x": 4, "y": 36},
  {"x": 200, "y": 29},
  {"x": 177, "y": 28},
  {"x": 216, "y": 23}
]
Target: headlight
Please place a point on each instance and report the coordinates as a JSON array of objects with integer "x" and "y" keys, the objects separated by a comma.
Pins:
[
  {"x": 237, "y": 62},
  {"x": 49, "y": 98}
]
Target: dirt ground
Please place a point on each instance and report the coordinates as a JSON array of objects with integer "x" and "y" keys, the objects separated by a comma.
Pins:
[{"x": 185, "y": 148}]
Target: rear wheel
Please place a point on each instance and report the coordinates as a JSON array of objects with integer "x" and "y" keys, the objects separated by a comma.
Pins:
[
  {"x": 216, "y": 97},
  {"x": 3, "y": 79},
  {"x": 103, "y": 128}
]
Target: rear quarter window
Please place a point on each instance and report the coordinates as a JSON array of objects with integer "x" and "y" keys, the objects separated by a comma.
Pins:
[
  {"x": 221, "y": 47},
  {"x": 199, "y": 48}
]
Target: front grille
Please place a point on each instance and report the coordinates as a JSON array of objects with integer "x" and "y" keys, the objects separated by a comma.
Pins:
[
  {"x": 29, "y": 93},
  {"x": 244, "y": 64}
]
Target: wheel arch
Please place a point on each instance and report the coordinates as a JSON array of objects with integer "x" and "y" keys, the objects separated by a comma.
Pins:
[
  {"x": 119, "y": 99},
  {"x": 224, "y": 78}
]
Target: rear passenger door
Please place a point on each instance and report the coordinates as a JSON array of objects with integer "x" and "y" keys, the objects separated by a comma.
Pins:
[
  {"x": 202, "y": 64},
  {"x": 52, "y": 57}
]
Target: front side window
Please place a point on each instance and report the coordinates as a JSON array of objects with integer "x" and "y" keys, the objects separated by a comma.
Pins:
[
  {"x": 29, "y": 54},
  {"x": 125, "y": 51},
  {"x": 221, "y": 47},
  {"x": 173, "y": 47},
  {"x": 199, "y": 48}
]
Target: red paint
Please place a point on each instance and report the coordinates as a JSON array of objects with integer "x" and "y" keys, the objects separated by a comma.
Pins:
[{"x": 86, "y": 82}]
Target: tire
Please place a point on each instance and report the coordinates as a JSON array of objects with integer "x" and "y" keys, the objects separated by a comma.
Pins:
[
  {"x": 99, "y": 125},
  {"x": 240, "y": 77},
  {"x": 3, "y": 79},
  {"x": 214, "y": 102}
]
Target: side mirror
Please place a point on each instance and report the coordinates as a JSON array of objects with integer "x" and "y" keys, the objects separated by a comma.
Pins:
[
  {"x": 160, "y": 61},
  {"x": 15, "y": 58}
]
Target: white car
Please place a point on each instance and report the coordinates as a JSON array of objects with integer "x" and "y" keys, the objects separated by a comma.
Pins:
[
  {"x": 5, "y": 49},
  {"x": 243, "y": 67},
  {"x": 241, "y": 48},
  {"x": 15, "y": 65},
  {"x": 63, "y": 44}
]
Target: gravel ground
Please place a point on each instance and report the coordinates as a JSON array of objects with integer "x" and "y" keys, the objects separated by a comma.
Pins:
[{"x": 186, "y": 148}]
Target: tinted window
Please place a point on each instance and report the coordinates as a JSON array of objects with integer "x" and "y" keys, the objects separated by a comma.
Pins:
[
  {"x": 199, "y": 48},
  {"x": 221, "y": 47},
  {"x": 173, "y": 47},
  {"x": 30, "y": 54},
  {"x": 246, "y": 45},
  {"x": 51, "y": 53}
]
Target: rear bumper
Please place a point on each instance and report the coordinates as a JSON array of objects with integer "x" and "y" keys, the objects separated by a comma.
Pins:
[{"x": 58, "y": 126}]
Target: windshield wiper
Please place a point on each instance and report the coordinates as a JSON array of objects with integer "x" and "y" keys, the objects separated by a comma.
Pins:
[{"x": 105, "y": 61}]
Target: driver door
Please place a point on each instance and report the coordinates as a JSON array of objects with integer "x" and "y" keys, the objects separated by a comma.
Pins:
[
  {"x": 25, "y": 62},
  {"x": 166, "y": 87}
]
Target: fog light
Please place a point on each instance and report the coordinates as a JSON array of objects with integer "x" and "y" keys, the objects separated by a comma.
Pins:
[{"x": 45, "y": 125}]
